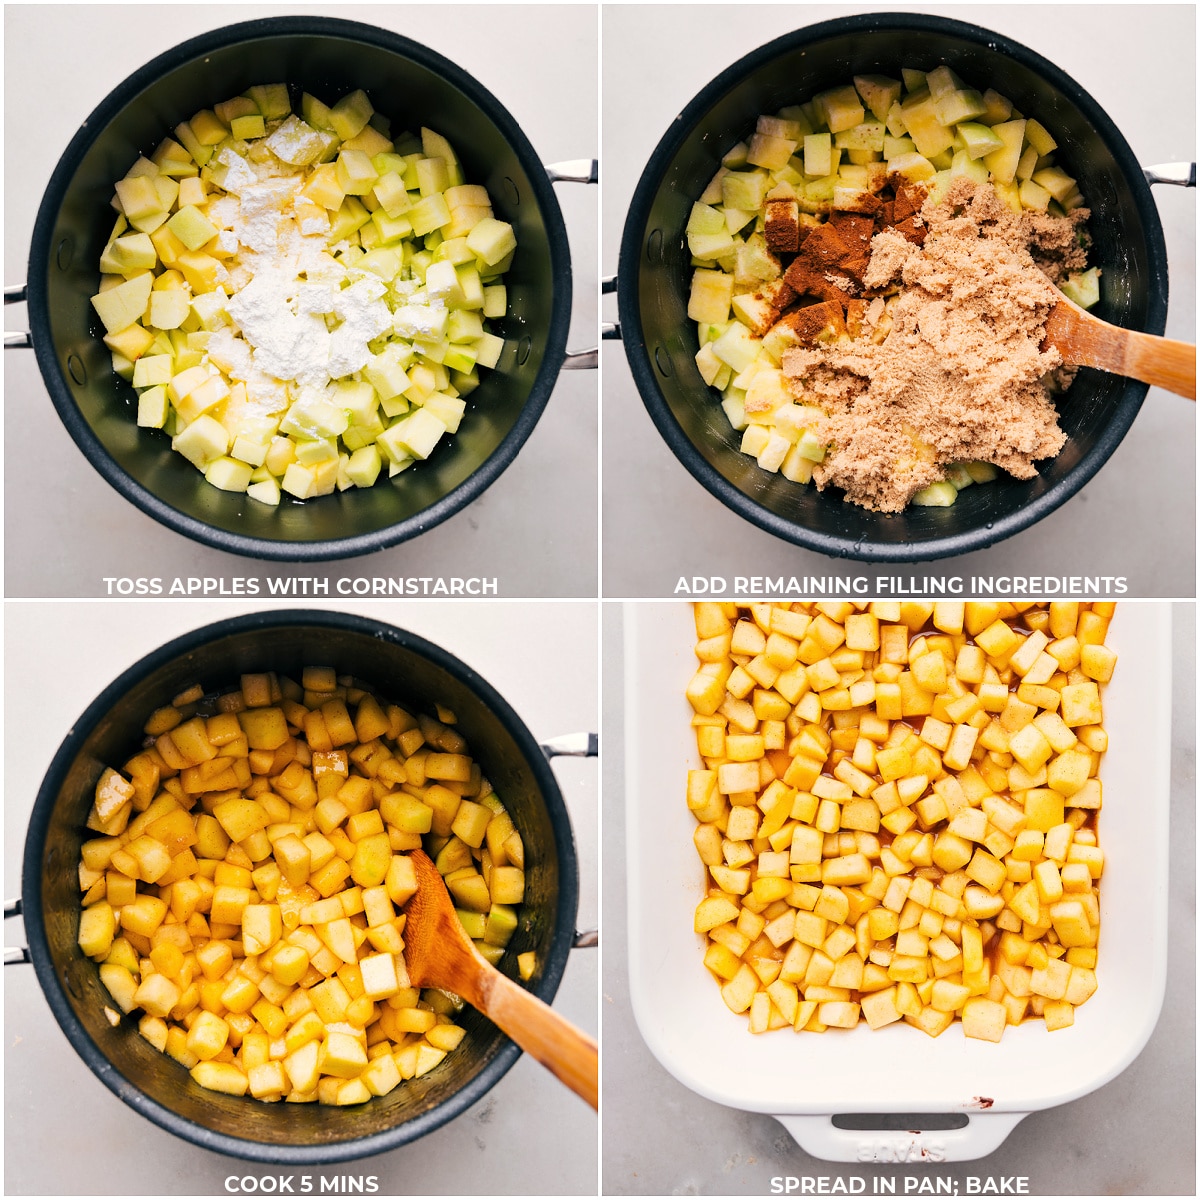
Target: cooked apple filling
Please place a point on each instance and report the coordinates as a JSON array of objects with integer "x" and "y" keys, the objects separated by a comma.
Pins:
[
  {"x": 897, "y": 811},
  {"x": 245, "y": 889}
]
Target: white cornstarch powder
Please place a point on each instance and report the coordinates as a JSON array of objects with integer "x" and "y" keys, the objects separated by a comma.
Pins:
[{"x": 287, "y": 284}]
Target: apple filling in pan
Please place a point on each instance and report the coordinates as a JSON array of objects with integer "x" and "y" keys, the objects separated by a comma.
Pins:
[{"x": 897, "y": 811}]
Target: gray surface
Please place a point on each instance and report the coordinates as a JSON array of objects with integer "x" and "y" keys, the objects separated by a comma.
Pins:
[
  {"x": 528, "y": 1136},
  {"x": 534, "y": 529},
  {"x": 1134, "y": 1136},
  {"x": 1135, "y": 518}
]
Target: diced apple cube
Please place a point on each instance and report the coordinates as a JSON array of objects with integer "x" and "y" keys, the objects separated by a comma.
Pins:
[
  {"x": 364, "y": 466},
  {"x": 1055, "y": 180},
  {"x": 737, "y": 346},
  {"x": 356, "y": 174},
  {"x": 491, "y": 240},
  {"x": 442, "y": 283},
  {"x": 169, "y": 309},
  {"x": 488, "y": 350},
  {"x": 152, "y": 369},
  {"x": 415, "y": 435},
  {"x": 914, "y": 167},
  {"x": 350, "y": 114},
  {"x": 978, "y": 139},
  {"x": 138, "y": 197},
  {"x": 419, "y": 322},
  {"x": 929, "y": 134},
  {"x": 941, "y": 494},
  {"x": 125, "y": 303},
  {"x": 129, "y": 254},
  {"x": 1002, "y": 163},
  {"x": 248, "y": 127},
  {"x": 1034, "y": 196},
  {"x": 299, "y": 481},
  {"x": 428, "y": 214},
  {"x": 1039, "y": 138},
  {"x": 271, "y": 99},
  {"x": 220, "y": 1077},
  {"x": 153, "y": 407},
  {"x": 1083, "y": 287},
  {"x": 228, "y": 474},
  {"x": 207, "y": 394},
  {"x": 202, "y": 442},
  {"x": 265, "y": 491},
  {"x": 841, "y": 108},
  {"x": 961, "y": 105},
  {"x": 202, "y": 271}
]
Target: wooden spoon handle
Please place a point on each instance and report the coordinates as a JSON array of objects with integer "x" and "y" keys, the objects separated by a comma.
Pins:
[
  {"x": 1162, "y": 363},
  {"x": 1086, "y": 341},
  {"x": 539, "y": 1030}
]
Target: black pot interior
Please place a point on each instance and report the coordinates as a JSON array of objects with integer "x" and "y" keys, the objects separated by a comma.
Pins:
[
  {"x": 655, "y": 275},
  {"x": 402, "y": 668},
  {"x": 413, "y": 87}
]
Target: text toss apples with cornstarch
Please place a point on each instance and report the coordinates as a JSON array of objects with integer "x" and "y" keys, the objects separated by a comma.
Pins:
[
  {"x": 873, "y": 274},
  {"x": 897, "y": 810},
  {"x": 245, "y": 885},
  {"x": 300, "y": 300}
]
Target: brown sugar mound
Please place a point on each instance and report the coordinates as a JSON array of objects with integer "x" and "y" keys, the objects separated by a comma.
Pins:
[{"x": 961, "y": 374}]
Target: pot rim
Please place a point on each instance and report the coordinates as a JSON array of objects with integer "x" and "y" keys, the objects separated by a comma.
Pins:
[
  {"x": 642, "y": 366},
  {"x": 52, "y": 372},
  {"x": 44, "y": 964}
]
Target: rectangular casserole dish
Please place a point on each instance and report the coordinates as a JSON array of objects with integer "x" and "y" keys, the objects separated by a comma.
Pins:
[{"x": 806, "y": 1079}]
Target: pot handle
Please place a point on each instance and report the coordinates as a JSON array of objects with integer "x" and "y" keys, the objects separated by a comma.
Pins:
[
  {"x": 610, "y": 330},
  {"x": 577, "y": 170},
  {"x": 580, "y": 360},
  {"x": 576, "y": 745},
  {"x": 1182, "y": 174},
  {"x": 14, "y": 954},
  {"x": 16, "y": 339},
  {"x": 817, "y": 1135},
  {"x": 572, "y": 745}
]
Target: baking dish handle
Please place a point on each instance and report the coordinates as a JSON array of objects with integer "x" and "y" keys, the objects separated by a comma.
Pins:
[{"x": 983, "y": 1133}]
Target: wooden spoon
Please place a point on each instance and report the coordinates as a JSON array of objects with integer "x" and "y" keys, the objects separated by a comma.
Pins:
[
  {"x": 439, "y": 953},
  {"x": 1086, "y": 341}
]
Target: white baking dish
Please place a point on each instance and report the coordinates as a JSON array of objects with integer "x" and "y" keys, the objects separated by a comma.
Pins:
[{"x": 806, "y": 1079}]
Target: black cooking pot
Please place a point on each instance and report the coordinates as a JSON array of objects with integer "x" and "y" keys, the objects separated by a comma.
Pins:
[
  {"x": 655, "y": 274},
  {"x": 413, "y": 86},
  {"x": 403, "y": 668}
]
